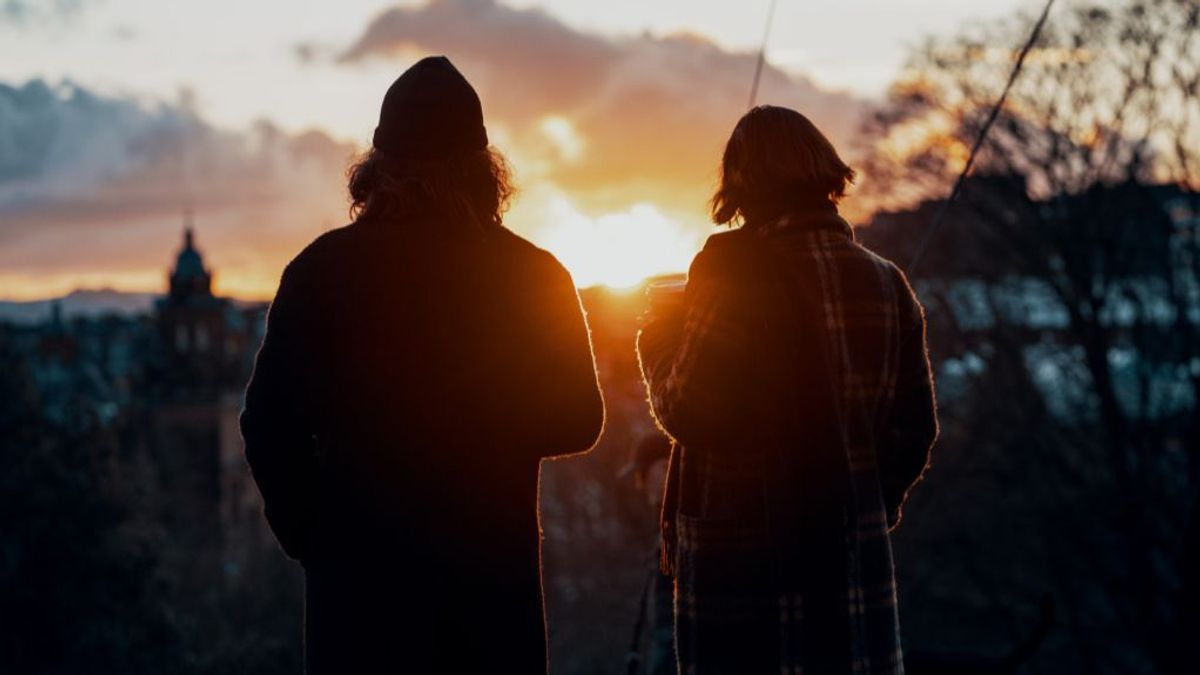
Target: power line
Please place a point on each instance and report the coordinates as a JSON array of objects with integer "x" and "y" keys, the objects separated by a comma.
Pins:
[
  {"x": 762, "y": 54},
  {"x": 936, "y": 223}
]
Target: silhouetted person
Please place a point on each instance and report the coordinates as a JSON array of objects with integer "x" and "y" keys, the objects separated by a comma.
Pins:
[
  {"x": 418, "y": 364},
  {"x": 794, "y": 376}
]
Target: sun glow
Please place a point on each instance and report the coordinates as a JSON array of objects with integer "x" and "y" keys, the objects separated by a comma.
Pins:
[
  {"x": 935, "y": 130},
  {"x": 559, "y": 131},
  {"x": 618, "y": 250}
]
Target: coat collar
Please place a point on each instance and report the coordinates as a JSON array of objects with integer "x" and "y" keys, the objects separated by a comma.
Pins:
[{"x": 811, "y": 222}]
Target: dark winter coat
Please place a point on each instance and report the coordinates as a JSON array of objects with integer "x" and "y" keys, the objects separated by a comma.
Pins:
[
  {"x": 797, "y": 383},
  {"x": 408, "y": 386}
]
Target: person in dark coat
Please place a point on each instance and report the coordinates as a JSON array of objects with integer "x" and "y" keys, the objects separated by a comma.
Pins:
[
  {"x": 794, "y": 377},
  {"x": 418, "y": 365}
]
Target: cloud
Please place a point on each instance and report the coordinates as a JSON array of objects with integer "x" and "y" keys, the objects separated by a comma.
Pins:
[
  {"x": 91, "y": 182},
  {"x": 653, "y": 112},
  {"x": 312, "y": 52},
  {"x": 610, "y": 136},
  {"x": 125, "y": 33},
  {"x": 26, "y": 12}
]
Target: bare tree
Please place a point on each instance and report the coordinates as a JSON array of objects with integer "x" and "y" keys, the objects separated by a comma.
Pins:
[{"x": 1089, "y": 218}]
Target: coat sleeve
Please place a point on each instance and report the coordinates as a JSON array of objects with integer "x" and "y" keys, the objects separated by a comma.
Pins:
[
  {"x": 560, "y": 410},
  {"x": 912, "y": 427},
  {"x": 699, "y": 365},
  {"x": 277, "y": 421}
]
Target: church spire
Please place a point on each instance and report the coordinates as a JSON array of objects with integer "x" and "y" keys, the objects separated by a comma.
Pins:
[
  {"x": 188, "y": 228},
  {"x": 189, "y": 278}
]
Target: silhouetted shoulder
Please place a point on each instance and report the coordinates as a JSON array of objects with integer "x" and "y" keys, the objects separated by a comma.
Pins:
[
  {"x": 722, "y": 242},
  {"x": 325, "y": 246},
  {"x": 893, "y": 271},
  {"x": 911, "y": 310},
  {"x": 536, "y": 261},
  {"x": 718, "y": 254},
  {"x": 879, "y": 260}
]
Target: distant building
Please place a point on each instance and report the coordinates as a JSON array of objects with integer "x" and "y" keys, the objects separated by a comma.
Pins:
[
  {"x": 204, "y": 337},
  {"x": 1008, "y": 266},
  {"x": 995, "y": 214},
  {"x": 167, "y": 378},
  {"x": 73, "y": 390},
  {"x": 205, "y": 354}
]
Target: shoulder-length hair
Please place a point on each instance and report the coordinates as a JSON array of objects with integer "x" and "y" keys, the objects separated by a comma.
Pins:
[
  {"x": 469, "y": 192},
  {"x": 777, "y": 160}
]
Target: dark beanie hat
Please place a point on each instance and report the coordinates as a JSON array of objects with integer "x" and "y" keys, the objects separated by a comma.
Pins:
[{"x": 431, "y": 112}]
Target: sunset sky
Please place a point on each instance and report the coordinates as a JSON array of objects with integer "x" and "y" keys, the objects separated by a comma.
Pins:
[{"x": 115, "y": 114}]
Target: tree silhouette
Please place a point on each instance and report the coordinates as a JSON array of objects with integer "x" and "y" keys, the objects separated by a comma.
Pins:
[{"x": 1065, "y": 289}]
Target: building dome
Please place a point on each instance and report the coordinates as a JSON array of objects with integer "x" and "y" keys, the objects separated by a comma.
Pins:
[
  {"x": 190, "y": 282},
  {"x": 189, "y": 265}
]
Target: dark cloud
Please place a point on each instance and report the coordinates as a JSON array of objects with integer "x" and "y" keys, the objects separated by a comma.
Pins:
[
  {"x": 309, "y": 52},
  {"x": 26, "y": 12},
  {"x": 653, "y": 112},
  {"x": 111, "y": 174}
]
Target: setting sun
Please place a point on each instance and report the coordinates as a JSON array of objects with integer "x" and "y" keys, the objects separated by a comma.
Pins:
[{"x": 618, "y": 250}]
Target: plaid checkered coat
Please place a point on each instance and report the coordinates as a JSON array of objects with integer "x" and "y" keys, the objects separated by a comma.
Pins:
[{"x": 796, "y": 382}]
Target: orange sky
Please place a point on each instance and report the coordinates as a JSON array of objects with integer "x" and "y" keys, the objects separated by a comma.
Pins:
[{"x": 614, "y": 139}]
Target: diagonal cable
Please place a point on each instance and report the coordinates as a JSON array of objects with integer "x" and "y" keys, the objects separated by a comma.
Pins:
[
  {"x": 936, "y": 223},
  {"x": 762, "y": 55}
]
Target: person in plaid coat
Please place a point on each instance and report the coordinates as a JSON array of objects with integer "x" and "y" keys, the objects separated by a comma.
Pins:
[{"x": 795, "y": 379}]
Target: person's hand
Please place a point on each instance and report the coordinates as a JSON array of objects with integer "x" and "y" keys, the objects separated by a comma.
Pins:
[{"x": 665, "y": 302}]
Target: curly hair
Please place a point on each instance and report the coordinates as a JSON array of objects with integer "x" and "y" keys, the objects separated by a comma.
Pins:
[
  {"x": 776, "y": 159},
  {"x": 472, "y": 191}
]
